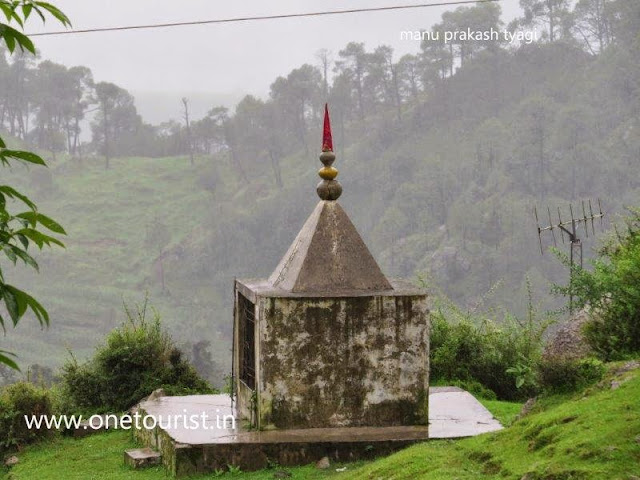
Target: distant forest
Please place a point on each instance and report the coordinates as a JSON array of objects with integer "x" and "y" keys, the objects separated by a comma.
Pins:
[
  {"x": 442, "y": 155},
  {"x": 44, "y": 103}
]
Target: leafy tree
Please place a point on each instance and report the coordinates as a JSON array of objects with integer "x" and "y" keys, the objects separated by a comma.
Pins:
[
  {"x": 17, "y": 100},
  {"x": 409, "y": 79},
  {"x": 296, "y": 99},
  {"x": 324, "y": 57},
  {"x": 208, "y": 132},
  {"x": 352, "y": 66},
  {"x": 593, "y": 23},
  {"x": 117, "y": 121},
  {"x": 551, "y": 13},
  {"x": 612, "y": 294},
  {"x": 53, "y": 93},
  {"x": 537, "y": 115},
  {"x": 82, "y": 83},
  {"x": 381, "y": 81},
  {"x": 481, "y": 18},
  {"x": 435, "y": 56},
  {"x": 18, "y": 231}
]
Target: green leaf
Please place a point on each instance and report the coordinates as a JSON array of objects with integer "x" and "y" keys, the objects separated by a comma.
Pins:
[
  {"x": 24, "y": 301},
  {"x": 7, "y": 36},
  {"x": 11, "y": 36},
  {"x": 29, "y": 157},
  {"x": 25, "y": 257},
  {"x": 11, "y": 303},
  {"x": 25, "y": 42},
  {"x": 26, "y": 10},
  {"x": 2, "y": 144},
  {"x": 4, "y": 359},
  {"x": 33, "y": 217},
  {"x": 7, "y": 10},
  {"x": 9, "y": 253},
  {"x": 23, "y": 240},
  {"x": 51, "y": 224},
  {"x": 39, "y": 238},
  {"x": 13, "y": 193},
  {"x": 56, "y": 12},
  {"x": 17, "y": 19}
]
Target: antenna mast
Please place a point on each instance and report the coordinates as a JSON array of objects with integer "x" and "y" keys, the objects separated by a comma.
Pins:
[{"x": 570, "y": 228}]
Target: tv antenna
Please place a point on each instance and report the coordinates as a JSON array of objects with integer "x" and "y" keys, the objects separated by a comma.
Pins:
[{"x": 571, "y": 228}]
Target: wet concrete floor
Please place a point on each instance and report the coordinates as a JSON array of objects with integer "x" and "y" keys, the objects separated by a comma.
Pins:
[{"x": 206, "y": 420}]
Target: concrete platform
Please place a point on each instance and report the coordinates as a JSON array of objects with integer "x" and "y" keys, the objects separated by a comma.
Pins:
[{"x": 453, "y": 413}]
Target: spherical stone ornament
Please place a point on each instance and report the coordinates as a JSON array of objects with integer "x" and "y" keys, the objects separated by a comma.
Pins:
[
  {"x": 329, "y": 190},
  {"x": 328, "y": 173},
  {"x": 327, "y": 158}
]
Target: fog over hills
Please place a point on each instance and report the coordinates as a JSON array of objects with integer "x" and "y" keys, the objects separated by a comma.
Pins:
[
  {"x": 443, "y": 153},
  {"x": 159, "y": 106}
]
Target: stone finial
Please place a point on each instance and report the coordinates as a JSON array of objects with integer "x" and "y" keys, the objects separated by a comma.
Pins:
[{"x": 328, "y": 188}]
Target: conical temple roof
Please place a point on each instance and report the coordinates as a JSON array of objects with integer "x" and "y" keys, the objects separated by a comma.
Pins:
[{"x": 328, "y": 256}]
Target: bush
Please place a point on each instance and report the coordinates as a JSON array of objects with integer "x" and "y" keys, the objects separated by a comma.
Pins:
[
  {"x": 557, "y": 375},
  {"x": 16, "y": 401},
  {"x": 137, "y": 358},
  {"x": 476, "y": 351},
  {"x": 612, "y": 292},
  {"x": 465, "y": 353}
]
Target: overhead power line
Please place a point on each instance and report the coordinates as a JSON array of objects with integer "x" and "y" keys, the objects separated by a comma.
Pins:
[{"x": 263, "y": 17}]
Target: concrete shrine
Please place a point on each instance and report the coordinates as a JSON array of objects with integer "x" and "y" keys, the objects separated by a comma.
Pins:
[
  {"x": 330, "y": 359},
  {"x": 327, "y": 340}
]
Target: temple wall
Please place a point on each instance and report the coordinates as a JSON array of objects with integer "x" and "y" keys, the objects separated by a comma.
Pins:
[{"x": 351, "y": 361}]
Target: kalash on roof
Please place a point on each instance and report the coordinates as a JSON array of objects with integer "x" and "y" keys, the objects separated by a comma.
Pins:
[{"x": 328, "y": 255}]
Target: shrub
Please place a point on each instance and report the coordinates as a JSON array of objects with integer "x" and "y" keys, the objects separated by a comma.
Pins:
[
  {"x": 16, "y": 401},
  {"x": 558, "y": 375},
  {"x": 136, "y": 359},
  {"x": 612, "y": 291},
  {"x": 475, "y": 349},
  {"x": 466, "y": 353}
]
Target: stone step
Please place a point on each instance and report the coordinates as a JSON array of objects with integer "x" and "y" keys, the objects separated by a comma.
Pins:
[{"x": 142, "y": 458}]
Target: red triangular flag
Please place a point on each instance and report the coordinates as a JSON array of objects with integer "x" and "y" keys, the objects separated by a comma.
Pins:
[{"x": 327, "y": 141}]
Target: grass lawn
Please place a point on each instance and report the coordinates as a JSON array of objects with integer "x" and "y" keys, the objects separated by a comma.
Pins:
[{"x": 591, "y": 435}]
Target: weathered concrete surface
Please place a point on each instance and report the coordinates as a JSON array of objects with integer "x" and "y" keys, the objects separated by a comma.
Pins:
[
  {"x": 453, "y": 413},
  {"x": 142, "y": 458},
  {"x": 341, "y": 361},
  {"x": 329, "y": 256},
  {"x": 253, "y": 288}
]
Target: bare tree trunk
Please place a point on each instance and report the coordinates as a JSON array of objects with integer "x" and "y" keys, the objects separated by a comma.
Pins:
[
  {"x": 185, "y": 102},
  {"x": 106, "y": 137},
  {"x": 275, "y": 165},
  {"x": 162, "y": 274}
]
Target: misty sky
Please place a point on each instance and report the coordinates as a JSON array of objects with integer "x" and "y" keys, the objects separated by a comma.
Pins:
[{"x": 219, "y": 63}]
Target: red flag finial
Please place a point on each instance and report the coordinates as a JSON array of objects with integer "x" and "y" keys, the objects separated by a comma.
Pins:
[{"x": 327, "y": 141}]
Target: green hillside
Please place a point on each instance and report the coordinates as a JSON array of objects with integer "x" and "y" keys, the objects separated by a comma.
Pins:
[
  {"x": 592, "y": 435},
  {"x": 108, "y": 259},
  {"x": 441, "y": 185}
]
